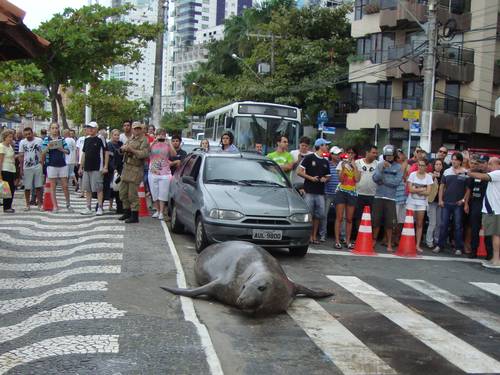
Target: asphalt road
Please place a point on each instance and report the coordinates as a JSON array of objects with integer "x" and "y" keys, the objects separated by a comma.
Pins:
[{"x": 81, "y": 296}]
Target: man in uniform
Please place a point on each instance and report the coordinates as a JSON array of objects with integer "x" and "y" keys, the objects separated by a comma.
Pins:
[{"x": 135, "y": 151}]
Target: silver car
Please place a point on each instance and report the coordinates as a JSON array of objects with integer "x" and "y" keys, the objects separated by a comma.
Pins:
[{"x": 221, "y": 196}]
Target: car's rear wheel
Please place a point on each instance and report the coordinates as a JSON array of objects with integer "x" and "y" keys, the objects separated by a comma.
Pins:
[
  {"x": 175, "y": 224},
  {"x": 201, "y": 240},
  {"x": 299, "y": 251}
]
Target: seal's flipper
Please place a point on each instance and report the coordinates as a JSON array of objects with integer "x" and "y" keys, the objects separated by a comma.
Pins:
[
  {"x": 204, "y": 290},
  {"x": 305, "y": 291}
]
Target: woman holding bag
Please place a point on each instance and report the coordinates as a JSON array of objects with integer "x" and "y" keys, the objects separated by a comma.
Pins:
[
  {"x": 434, "y": 211},
  {"x": 8, "y": 168}
]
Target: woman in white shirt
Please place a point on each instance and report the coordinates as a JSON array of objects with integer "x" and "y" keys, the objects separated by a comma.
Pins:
[
  {"x": 7, "y": 167},
  {"x": 419, "y": 185}
]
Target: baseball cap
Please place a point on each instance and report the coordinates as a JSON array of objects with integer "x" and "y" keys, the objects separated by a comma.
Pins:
[
  {"x": 483, "y": 158},
  {"x": 336, "y": 150},
  {"x": 137, "y": 124},
  {"x": 321, "y": 142},
  {"x": 92, "y": 124}
]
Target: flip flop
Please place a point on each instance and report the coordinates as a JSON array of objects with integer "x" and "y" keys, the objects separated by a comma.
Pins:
[{"x": 489, "y": 265}]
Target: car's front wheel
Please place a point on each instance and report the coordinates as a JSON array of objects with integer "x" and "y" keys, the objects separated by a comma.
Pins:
[
  {"x": 175, "y": 224},
  {"x": 299, "y": 251},
  {"x": 201, "y": 240}
]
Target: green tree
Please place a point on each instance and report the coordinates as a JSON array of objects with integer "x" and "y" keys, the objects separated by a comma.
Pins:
[
  {"x": 311, "y": 46},
  {"x": 85, "y": 43},
  {"x": 174, "y": 122},
  {"x": 110, "y": 106},
  {"x": 19, "y": 94}
]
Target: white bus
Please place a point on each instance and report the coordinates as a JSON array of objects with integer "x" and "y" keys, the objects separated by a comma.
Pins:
[{"x": 255, "y": 123}]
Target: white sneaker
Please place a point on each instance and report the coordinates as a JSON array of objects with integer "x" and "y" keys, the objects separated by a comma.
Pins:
[
  {"x": 436, "y": 250},
  {"x": 458, "y": 252},
  {"x": 86, "y": 211},
  {"x": 160, "y": 217},
  {"x": 99, "y": 211},
  {"x": 155, "y": 215}
]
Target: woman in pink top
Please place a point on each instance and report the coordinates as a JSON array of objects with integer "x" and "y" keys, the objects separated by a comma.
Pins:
[{"x": 159, "y": 171}]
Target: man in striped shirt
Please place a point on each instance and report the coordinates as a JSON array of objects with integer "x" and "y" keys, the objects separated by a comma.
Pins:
[{"x": 330, "y": 189}]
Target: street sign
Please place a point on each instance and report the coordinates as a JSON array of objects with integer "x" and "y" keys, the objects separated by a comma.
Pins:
[
  {"x": 415, "y": 128},
  {"x": 411, "y": 114},
  {"x": 320, "y": 126},
  {"x": 329, "y": 129},
  {"x": 322, "y": 116}
]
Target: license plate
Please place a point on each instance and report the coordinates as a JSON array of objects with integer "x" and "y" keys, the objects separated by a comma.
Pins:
[{"x": 263, "y": 234}]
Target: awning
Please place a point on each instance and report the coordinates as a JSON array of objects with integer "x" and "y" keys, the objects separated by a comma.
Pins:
[{"x": 16, "y": 40}]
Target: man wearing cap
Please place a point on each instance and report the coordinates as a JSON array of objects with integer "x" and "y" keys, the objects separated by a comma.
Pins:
[
  {"x": 491, "y": 208},
  {"x": 365, "y": 187},
  {"x": 474, "y": 203},
  {"x": 315, "y": 170},
  {"x": 93, "y": 167},
  {"x": 135, "y": 152},
  {"x": 330, "y": 190},
  {"x": 388, "y": 176}
]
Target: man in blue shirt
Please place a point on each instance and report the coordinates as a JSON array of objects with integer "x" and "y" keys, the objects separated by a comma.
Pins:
[{"x": 330, "y": 189}]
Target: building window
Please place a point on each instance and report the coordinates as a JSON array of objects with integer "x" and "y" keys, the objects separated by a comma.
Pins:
[
  {"x": 358, "y": 8},
  {"x": 372, "y": 95},
  {"x": 364, "y": 46},
  {"x": 413, "y": 89},
  {"x": 380, "y": 44}
]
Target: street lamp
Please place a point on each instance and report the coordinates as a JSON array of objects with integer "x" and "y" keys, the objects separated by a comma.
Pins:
[
  {"x": 236, "y": 57},
  {"x": 201, "y": 88}
]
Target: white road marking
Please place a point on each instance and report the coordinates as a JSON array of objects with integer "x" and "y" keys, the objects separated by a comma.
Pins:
[
  {"x": 455, "y": 350},
  {"x": 72, "y": 311},
  {"x": 492, "y": 288},
  {"x": 36, "y": 282},
  {"x": 391, "y": 256},
  {"x": 345, "y": 350},
  {"x": 484, "y": 317},
  {"x": 11, "y": 305},
  {"x": 62, "y": 220},
  {"x": 59, "y": 253},
  {"x": 37, "y": 233},
  {"x": 59, "y": 264},
  {"x": 51, "y": 243},
  {"x": 111, "y": 222},
  {"x": 189, "y": 311},
  {"x": 58, "y": 346}
]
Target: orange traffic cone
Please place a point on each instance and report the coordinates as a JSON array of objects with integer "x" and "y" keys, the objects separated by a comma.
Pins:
[
  {"x": 481, "y": 250},
  {"x": 407, "y": 246},
  {"x": 364, "y": 241},
  {"x": 143, "y": 205},
  {"x": 47, "y": 197}
]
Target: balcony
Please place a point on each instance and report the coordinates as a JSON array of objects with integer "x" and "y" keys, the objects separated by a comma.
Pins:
[
  {"x": 456, "y": 12},
  {"x": 394, "y": 14},
  {"x": 455, "y": 64},
  {"x": 411, "y": 67},
  {"x": 451, "y": 114}
]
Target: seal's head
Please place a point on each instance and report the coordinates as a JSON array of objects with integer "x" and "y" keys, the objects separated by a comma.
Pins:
[{"x": 265, "y": 293}]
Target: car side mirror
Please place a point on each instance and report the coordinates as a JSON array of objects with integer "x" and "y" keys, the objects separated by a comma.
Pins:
[{"x": 188, "y": 180}]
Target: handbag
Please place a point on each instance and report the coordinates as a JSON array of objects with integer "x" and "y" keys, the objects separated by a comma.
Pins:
[
  {"x": 5, "y": 192},
  {"x": 115, "y": 184}
]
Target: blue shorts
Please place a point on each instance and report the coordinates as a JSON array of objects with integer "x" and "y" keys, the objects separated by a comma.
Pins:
[{"x": 316, "y": 203}]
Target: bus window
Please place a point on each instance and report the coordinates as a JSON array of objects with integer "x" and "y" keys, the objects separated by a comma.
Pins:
[
  {"x": 220, "y": 126},
  {"x": 209, "y": 128}
]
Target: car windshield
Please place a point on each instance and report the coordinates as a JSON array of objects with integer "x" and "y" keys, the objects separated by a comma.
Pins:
[{"x": 240, "y": 171}]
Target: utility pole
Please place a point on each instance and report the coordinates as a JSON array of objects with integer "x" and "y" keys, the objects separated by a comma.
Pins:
[
  {"x": 273, "y": 38},
  {"x": 429, "y": 78},
  {"x": 156, "y": 110}
]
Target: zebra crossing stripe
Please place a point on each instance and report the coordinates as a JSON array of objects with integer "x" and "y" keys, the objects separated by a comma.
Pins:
[
  {"x": 59, "y": 253},
  {"x": 65, "y": 242},
  {"x": 487, "y": 319},
  {"x": 11, "y": 305},
  {"x": 492, "y": 288},
  {"x": 72, "y": 311},
  {"x": 58, "y": 346},
  {"x": 36, "y": 233},
  {"x": 345, "y": 350},
  {"x": 58, "y": 227},
  {"x": 27, "y": 267},
  {"x": 456, "y": 351},
  {"x": 36, "y": 282},
  {"x": 63, "y": 219}
]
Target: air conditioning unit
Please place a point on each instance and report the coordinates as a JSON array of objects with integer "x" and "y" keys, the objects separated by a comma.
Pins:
[{"x": 264, "y": 68}]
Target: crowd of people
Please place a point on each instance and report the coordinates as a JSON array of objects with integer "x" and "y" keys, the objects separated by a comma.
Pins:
[{"x": 450, "y": 203}]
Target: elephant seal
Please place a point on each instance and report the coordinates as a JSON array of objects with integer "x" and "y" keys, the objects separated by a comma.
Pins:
[{"x": 246, "y": 276}]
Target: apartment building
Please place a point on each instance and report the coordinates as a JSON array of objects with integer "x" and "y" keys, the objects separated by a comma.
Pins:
[{"x": 386, "y": 74}]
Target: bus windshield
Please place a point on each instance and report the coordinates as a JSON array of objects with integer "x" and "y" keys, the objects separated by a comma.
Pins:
[{"x": 264, "y": 130}]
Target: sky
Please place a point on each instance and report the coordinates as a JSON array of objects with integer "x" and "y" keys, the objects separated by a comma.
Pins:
[{"x": 38, "y": 11}]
